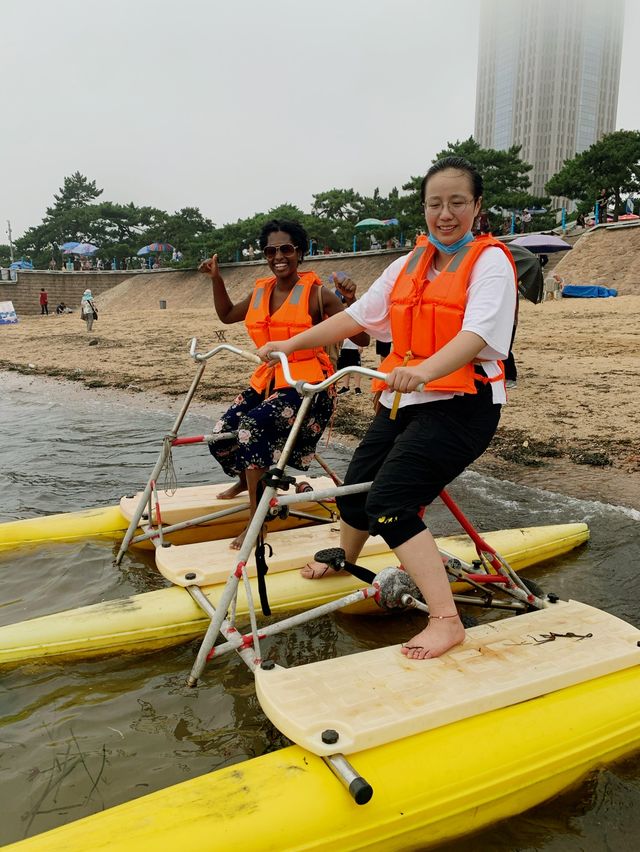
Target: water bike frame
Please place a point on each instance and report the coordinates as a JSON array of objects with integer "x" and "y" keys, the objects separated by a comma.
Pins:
[{"x": 493, "y": 582}]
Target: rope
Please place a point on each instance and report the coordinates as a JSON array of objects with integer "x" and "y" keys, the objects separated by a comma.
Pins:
[{"x": 170, "y": 477}]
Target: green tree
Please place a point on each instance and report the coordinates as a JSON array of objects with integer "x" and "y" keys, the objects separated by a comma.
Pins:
[
  {"x": 186, "y": 229},
  {"x": 345, "y": 204},
  {"x": 612, "y": 164},
  {"x": 77, "y": 191},
  {"x": 411, "y": 212}
]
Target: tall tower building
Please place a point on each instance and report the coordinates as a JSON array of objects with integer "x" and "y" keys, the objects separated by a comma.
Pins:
[{"x": 548, "y": 76}]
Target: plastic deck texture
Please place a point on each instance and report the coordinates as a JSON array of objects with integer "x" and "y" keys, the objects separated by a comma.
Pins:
[
  {"x": 379, "y": 696},
  {"x": 212, "y": 561}
]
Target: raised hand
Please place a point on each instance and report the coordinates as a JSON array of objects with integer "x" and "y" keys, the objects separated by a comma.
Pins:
[
  {"x": 210, "y": 266},
  {"x": 346, "y": 287}
]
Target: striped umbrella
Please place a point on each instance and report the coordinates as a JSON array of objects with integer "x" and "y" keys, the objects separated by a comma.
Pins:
[
  {"x": 156, "y": 248},
  {"x": 83, "y": 249}
]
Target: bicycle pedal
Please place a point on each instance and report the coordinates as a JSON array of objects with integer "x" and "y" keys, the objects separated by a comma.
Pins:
[{"x": 332, "y": 556}]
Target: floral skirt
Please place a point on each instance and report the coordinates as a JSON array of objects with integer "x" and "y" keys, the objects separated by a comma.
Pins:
[{"x": 262, "y": 427}]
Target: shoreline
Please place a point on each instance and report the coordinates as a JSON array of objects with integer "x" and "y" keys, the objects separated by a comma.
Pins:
[{"x": 544, "y": 467}]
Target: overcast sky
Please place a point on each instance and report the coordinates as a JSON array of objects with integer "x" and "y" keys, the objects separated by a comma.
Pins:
[{"x": 237, "y": 106}]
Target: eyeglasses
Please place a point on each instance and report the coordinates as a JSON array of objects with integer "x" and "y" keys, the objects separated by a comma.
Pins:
[
  {"x": 456, "y": 206},
  {"x": 286, "y": 250}
]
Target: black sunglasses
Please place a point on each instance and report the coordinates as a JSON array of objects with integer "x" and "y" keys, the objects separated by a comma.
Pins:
[{"x": 286, "y": 250}]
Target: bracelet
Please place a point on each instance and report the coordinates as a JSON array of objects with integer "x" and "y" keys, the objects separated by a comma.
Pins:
[{"x": 440, "y": 617}]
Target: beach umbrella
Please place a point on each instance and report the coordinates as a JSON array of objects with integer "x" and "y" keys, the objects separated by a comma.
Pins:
[
  {"x": 541, "y": 243},
  {"x": 21, "y": 264},
  {"x": 370, "y": 223},
  {"x": 66, "y": 247},
  {"x": 530, "y": 281},
  {"x": 155, "y": 248},
  {"x": 83, "y": 249}
]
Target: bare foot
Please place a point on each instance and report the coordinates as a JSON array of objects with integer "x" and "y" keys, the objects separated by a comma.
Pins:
[
  {"x": 233, "y": 491},
  {"x": 438, "y": 636},
  {"x": 317, "y": 570},
  {"x": 238, "y": 541}
]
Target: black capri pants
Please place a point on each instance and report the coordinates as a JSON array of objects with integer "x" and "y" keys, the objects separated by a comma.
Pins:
[{"x": 412, "y": 458}]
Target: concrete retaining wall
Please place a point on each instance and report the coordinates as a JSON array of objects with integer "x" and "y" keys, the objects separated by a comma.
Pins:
[
  {"x": 65, "y": 287},
  {"x": 181, "y": 288}
]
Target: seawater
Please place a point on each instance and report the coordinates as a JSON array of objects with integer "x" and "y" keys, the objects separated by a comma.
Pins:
[{"x": 78, "y": 737}]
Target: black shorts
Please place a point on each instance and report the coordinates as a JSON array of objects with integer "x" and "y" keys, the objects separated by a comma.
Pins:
[
  {"x": 348, "y": 358},
  {"x": 412, "y": 458},
  {"x": 382, "y": 348}
]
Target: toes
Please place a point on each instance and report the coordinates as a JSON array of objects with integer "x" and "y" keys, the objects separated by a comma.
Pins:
[
  {"x": 415, "y": 652},
  {"x": 314, "y": 572}
]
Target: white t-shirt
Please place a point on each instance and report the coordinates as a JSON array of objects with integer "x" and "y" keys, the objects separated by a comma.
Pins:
[
  {"x": 347, "y": 343},
  {"x": 489, "y": 313}
]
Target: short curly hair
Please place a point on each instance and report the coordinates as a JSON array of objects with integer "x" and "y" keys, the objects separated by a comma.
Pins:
[{"x": 297, "y": 233}]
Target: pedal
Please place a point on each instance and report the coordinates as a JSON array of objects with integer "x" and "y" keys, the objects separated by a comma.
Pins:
[
  {"x": 275, "y": 478},
  {"x": 331, "y": 556}
]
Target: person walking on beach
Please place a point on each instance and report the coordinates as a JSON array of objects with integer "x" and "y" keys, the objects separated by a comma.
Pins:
[
  {"x": 44, "y": 302},
  {"x": 262, "y": 415},
  {"x": 449, "y": 310},
  {"x": 88, "y": 310}
]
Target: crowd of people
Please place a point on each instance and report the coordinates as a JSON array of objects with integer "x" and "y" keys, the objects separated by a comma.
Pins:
[{"x": 73, "y": 263}]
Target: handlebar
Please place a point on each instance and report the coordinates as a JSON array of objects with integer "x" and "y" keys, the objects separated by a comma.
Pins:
[
  {"x": 308, "y": 388},
  {"x": 301, "y": 386},
  {"x": 250, "y": 356}
]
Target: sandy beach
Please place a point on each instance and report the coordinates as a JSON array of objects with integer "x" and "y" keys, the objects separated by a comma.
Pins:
[{"x": 571, "y": 424}]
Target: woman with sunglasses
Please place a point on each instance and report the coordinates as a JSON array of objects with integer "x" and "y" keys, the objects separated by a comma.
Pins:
[
  {"x": 449, "y": 310},
  {"x": 280, "y": 306}
]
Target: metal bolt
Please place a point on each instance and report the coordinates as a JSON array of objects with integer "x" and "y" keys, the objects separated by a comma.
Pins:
[
  {"x": 330, "y": 737},
  {"x": 166, "y": 544},
  {"x": 267, "y": 665},
  {"x": 190, "y": 576},
  {"x": 552, "y": 598}
]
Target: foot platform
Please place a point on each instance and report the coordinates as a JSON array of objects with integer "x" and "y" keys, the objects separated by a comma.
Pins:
[{"x": 375, "y": 697}]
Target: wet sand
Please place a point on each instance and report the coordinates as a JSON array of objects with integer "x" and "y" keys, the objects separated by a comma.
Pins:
[{"x": 571, "y": 424}]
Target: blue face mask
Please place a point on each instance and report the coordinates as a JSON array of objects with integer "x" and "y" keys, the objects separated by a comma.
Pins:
[{"x": 454, "y": 247}]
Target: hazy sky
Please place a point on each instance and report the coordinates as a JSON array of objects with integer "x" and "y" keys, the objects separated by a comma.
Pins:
[{"x": 237, "y": 106}]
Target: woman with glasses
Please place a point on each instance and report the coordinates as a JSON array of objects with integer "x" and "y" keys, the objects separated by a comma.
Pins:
[
  {"x": 449, "y": 310},
  {"x": 284, "y": 304}
]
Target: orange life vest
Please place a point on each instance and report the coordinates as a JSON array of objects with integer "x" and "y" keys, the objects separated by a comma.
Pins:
[
  {"x": 426, "y": 315},
  {"x": 292, "y": 317}
]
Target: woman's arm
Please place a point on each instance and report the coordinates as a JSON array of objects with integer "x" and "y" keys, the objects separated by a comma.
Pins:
[
  {"x": 455, "y": 354},
  {"x": 333, "y": 329},
  {"x": 225, "y": 308}
]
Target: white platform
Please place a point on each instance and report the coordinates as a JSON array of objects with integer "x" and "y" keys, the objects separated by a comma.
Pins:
[
  {"x": 379, "y": 696},
  {"x": 193, "y": 501},
  {"x": 212, "y": 561}
]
